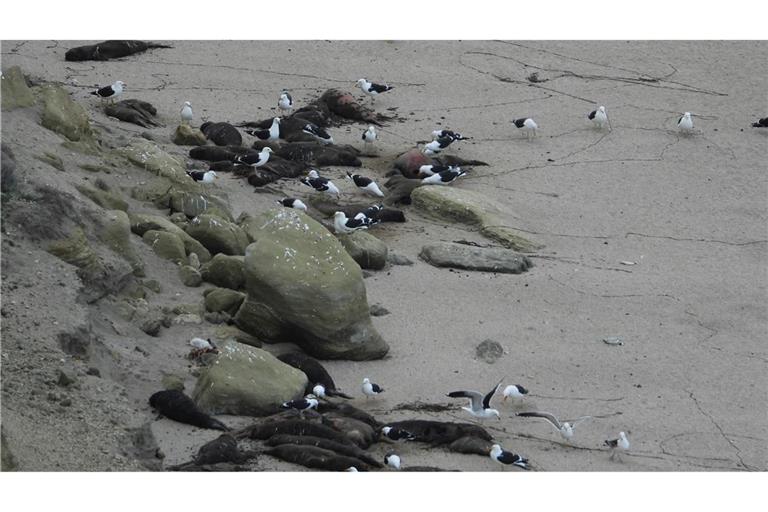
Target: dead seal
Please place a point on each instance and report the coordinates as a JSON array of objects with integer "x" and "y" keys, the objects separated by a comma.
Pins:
[
  {"x": 217, "y": 154},
  {"x": 297, "y": 428},
  {"x": 320, "y": 155},
  {"x": 315, "y": 372},
  {"x": 439, "y": 432},
  {"x": 133, "y": 111},
  {"x": 221, "y": 134},
  {"x": 359, "y": 432},
  {"x": 175, "y": 405},
  {"x": 106, "y": 50},
  {"x": 222, "y": 449},
  {"x": 315, "y": 458},
  {"x": 326, "y": 444}
]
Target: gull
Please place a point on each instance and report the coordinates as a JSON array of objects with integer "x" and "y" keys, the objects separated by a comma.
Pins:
[
  {"x": 396, "y": 434},
  {"x": 342, "y": 224},
  {"x": 110, "y": 91},
  {"x": 444, "y": 177},
  {"x": 506, "y": 458},
  {"x": 599, "y": 117},
  {"x": 437, "y": 134},
  {"x": 201, "y": 344},
  {"x": 370, "y": 135},
  {"x": 565, "y": 428},
  {"x": 429, "y": 170},
  {"x": 514, "y": 391},
  {"x": 290, "y": 202},
  {"x": 392, "y": 460},
  {"x": 272, "y": 134},
  {"x": 619, "y": 444},
  {"x": 254, "y": 159},
  {"x": 318, "y": 133},
  {"x": 285, "y": 103},
  {"x": 372, "y": 89},
  {"x": 204, "y": 176},
  {"x": 479, "y": 406},
  {"x": 303, "y": 404},
  {"x": 319, "y": 391},
  {"x": 685, "y": 123},
  {"x": 527, "y": 124},
  {"x": 761, "y": 123},
  {"x": 365, "y": 184},
  {"x": 437, "y": 145},
  {"x": 370, "y": 389},
  {"x": 186, "y": 113},
  {"x": 320, "y": 184}
]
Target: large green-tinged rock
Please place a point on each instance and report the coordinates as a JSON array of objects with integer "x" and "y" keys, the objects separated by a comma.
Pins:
[
  {"x": 247, "y": 381},
  {"x": 166, "y": 245},
  {"x": 223, "y": 299},
  {"x": 486, "y": 259},
  {"x": 368, "y": 251},
  {"x": 76, "y": 250},
  {"x": 64, "y": 116},
  {"x": 190, "y": 276},
  {"x": 156, "y": 190},
  {"x": 225, "y": 271},
  {"x": 230, "y": 332},
  {"x": 185, "y": 135},
  {"x": 193, "y": 204},
  {"x": 218, "y": 235},
  {"x": 103, "y": 198},
  {"x": 116, "y": 234},
  {"x": 143, "y": 222},
  {"x": 149, "y": 156},
  {"x": 304, "y": 288},
  {"x": 472, "y": 208},
  {"x": 15, "y": 91}
]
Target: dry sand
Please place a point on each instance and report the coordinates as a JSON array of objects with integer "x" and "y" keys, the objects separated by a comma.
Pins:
[{"x": 688, "y": 385}]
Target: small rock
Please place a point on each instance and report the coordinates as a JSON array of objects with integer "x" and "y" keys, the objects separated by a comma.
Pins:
[
  {"x": 189, "y": 275},
  {"x": 153, "y": 285},
  {"x": 398, "y": 259},
  {"x": 188, "y": 318},
  {"x": 53, "y": 397},
  {"x": 378, "y": 310},
  {"x": 152, "y": 326},
  {"x": 489, "y": 351},
  {"x": 171, "y": 381},
  {"x": 66, "y": 402},
  {"x": 93, "y": 371},
  {"x": 219, "y": 317},
  {"x": 65, "y": 379}
]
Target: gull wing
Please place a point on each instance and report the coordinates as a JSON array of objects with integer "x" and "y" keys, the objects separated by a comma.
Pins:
[
  {"x": 476, "y": 399},
  {"x": 546, "y": 415},
  {"x": 487, "y": 399}
]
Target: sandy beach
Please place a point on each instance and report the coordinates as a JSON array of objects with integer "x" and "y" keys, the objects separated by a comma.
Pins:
[{"x": 647, "y": 235}]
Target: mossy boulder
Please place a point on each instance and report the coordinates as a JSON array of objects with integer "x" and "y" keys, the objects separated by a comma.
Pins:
[
  {"x": 225, "y": 271},
  {"x": 151, "y": 157},
  {"x": 223, "y": 299},
  {"x": 76, "y": 250},
  {"x": 486, "y": 259},
  {"x": 218, "y": 235},
  {"x": 230, "y": 332},
  {"x": 166, "y": 245},
  {"x": 247, "y": 381},
  {"x": 143, "y": 222},
  {"x": 472, "y": 208},
  {"x": 190, "y": 276},
  {"x": 64, "y": 116},
  {"x": 15, "y": 91},
  {"x": 185, "y": 135},
  {"x": 103, "y": 198},
  {"x": 116, "y": 234},
  {"x": 368, "y": 251},
  {"x": 193, "y": 204},
  {"x": 303, "y": 287}
]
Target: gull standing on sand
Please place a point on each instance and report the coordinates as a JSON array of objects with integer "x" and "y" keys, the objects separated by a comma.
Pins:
[
  {"x": 565, "y": 428},
  {"x": 506, "y": 458},
  {"x": 617, "y": 445},
  {"x": 272, "y": 134},
  {"x": 598, "y": 117},
  {"x": 761, "y": 123},
  {"x": 186, "y": 113},
  {"x": 515, "y": 391},
  {"x": 370, "y": 135},
  {"x": 685, "y": 123},
  {"x": 110, "y": 91},
  {"x": 526, "y": 124},
  {"x": 479, "y": 406},
  {"x": 285, "y": 102},
  {"x": 320, "y": 184},
  {"x": 370, "y": 389},
  {"x": 372, "y": 89},
  {"x": 365, "y": 184},
  {"x": 254, "y": 159}
]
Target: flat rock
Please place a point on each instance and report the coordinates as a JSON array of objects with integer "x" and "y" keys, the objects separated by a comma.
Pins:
[{"x": 485, "y": 259}]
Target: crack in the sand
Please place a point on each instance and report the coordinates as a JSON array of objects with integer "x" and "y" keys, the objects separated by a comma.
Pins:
[{"x": 705, "y": 240}]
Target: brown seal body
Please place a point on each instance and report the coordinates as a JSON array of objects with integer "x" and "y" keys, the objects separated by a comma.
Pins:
[
  {"x": 109, "y": 50},
  {"x": 175, "y": 405}
]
